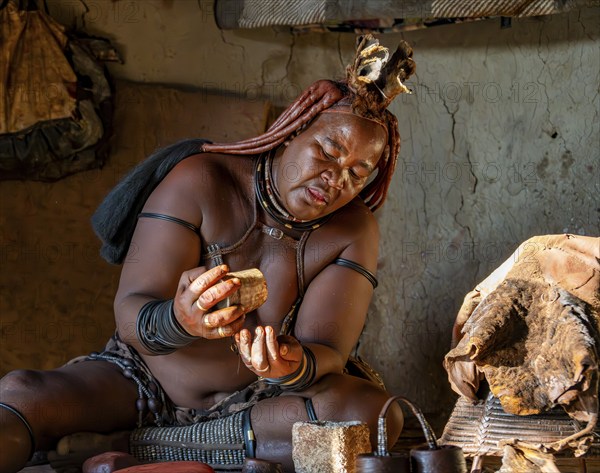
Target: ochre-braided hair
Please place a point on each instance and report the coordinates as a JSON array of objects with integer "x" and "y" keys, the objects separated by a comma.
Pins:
[{"x": 371, "y": 84}]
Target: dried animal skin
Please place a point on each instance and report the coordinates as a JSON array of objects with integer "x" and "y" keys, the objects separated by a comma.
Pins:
[
  {"x": 526, "y": 460},
  {"x": 532, "y": 330},
  {"x": 535, "y": 354}
]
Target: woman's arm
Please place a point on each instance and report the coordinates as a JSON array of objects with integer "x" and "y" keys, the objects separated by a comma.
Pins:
[
  {"x": 335, "y": 306},
  {"x": 162, "y": 263},
  {"x": 332, "y": 313}
]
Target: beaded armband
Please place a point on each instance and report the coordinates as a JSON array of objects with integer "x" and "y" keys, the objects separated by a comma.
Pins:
[
  {"x": 158, "y": 330},
  {"x": 300, "y": 379}
]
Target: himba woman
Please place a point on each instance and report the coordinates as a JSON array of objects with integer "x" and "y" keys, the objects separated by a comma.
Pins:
[{"x": 297, "y": 203}]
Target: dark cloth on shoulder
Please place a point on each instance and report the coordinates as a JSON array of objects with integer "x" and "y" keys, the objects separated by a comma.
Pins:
[{"x": 115, "y": 219}]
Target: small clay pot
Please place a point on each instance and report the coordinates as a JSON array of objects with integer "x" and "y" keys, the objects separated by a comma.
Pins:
[
  {"x": 393, "y": 463},
  {"x": 256, "y": 465},
  {"x": 108, "y": 462},
  {"x": 445, "y": 459}
]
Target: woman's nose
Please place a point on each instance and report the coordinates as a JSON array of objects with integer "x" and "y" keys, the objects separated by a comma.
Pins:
[{"x": 335, "y": 177}]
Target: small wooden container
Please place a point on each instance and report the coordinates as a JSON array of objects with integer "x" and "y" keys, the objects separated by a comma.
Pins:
[
  {"x": 393, "y": 463},
  {"x": 444, "y": 459},
  {"x": 252, "y": 292}
]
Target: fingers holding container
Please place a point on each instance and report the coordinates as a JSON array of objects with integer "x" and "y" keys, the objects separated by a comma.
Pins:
[{"x": 212, "y": 304}]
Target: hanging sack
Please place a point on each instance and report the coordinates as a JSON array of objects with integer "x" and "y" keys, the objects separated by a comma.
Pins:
[{"x": 55, "y": 97}]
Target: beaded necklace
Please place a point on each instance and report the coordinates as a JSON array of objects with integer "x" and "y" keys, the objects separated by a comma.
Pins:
[{"x": 266, "y": 194}]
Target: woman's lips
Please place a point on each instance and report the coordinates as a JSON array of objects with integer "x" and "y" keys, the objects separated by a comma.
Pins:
[{"x": 317, "y": 196}]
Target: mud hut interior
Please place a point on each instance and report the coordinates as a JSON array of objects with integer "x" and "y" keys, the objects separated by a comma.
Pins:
[{"x": 500, "y": 142}]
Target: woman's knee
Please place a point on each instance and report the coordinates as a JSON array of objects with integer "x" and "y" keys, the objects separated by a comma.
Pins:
[
  {"x": 340, "y": 396},
  {"x": 18, "y": 390},
  {"x": 346, "y": 398},
  {"x": 17, "y": 384},
  {"x": 90, "y": 397}
]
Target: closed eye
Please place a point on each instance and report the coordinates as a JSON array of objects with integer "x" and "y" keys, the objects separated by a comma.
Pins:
[
  {"x": 354, "y": 175},
  {"x": 327, "y": 155}
]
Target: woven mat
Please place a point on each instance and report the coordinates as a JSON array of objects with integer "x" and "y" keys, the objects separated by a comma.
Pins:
[
  {"x": 478, "y": 428},
  {"x": 260, "y": 13}
]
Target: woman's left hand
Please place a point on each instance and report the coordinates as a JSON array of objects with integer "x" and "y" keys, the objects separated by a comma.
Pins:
[{"x": 268, "y": 355}]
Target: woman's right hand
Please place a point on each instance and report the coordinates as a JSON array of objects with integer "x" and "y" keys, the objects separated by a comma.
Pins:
[{"x": 198, "y": 292}]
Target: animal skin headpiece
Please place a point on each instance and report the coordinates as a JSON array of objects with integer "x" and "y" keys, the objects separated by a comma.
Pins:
[
  {"x": 374, "y": 79},
  {"x": 372, "y": 82}
]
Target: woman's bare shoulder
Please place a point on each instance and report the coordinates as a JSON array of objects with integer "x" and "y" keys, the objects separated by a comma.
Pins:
[
  {"x": 352, "y": 233},
  {"x": 210, "y": 168},
  {"x": 356, "y": 222},
  {"x": 198, "y": 182}
]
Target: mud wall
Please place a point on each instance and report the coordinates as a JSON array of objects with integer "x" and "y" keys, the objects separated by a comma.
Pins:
[{"x": 500, "y": 142}]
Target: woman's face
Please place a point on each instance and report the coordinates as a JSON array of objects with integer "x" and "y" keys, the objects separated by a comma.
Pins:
[{"x": 328, "y": 164}]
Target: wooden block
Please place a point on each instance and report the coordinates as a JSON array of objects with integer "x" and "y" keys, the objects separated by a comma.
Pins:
[{"x": 328, "y": 447}]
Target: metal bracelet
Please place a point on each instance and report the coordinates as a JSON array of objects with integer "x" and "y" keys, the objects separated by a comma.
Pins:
[
  {"x": 158, "y": 330},
  {"x": 300, "y": 379}
]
